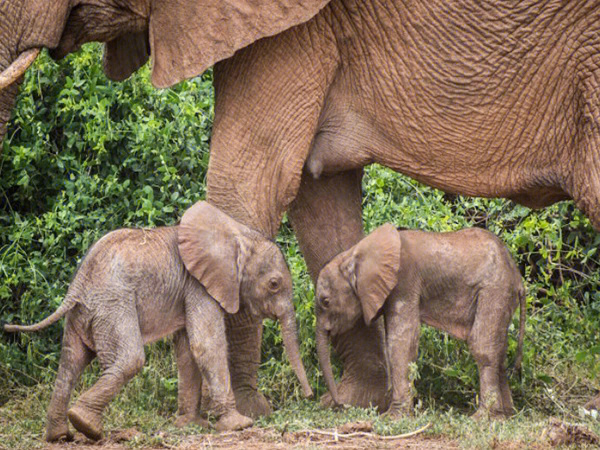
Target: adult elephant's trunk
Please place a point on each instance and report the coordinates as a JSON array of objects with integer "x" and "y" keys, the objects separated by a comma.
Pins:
[
  {"x": 9, "y": 85},
  {"x": 292, "y": 348},
  {"x": 322, "y": 339}
]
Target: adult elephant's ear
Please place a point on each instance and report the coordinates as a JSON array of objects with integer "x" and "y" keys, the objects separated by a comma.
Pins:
[
  {"x": 371, "y": 267},
  {"x": 213, "y": 250},
  {"x": 126, "y": 54},
  {"x": 189, "y": 36}
]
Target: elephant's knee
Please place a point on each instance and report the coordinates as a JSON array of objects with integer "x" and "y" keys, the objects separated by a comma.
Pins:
[{"x": 133, "y": 365}]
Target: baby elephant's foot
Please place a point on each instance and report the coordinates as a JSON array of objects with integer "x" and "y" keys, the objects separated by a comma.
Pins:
[
  {"x": 86, "y": 421},
  {"x": 191, "y": 419},
  {"x": 58, "y": 432},
  {"x": 232, "y": 421}
]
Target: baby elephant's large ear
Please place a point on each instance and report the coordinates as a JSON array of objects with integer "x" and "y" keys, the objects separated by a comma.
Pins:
[
  {"x": 211, "y": 245},
  {"x": 371, "y": 268}
]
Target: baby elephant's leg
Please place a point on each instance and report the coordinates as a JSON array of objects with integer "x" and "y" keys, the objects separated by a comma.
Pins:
[
  {"x": 507, "y": 402},
  {"x": 205, "y": 326},
  {"x": 488, "y": 341},
  {"x": 120, "y": 351},
  {"x": 74, "y": 357},
  {"x": 402, "y": 327},
  {"x": 190, "y": 383}
]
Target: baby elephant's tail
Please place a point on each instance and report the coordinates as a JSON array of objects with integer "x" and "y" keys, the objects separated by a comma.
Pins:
[
  {"x": 63, "y": 309},
  {"x": 523, "y": 305}
]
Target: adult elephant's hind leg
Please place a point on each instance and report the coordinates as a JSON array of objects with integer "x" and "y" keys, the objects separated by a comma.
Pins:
[
  {"x": 327, "y": 218},
  {"x": 590, "y": 204},
  {"x": 584, "y": 174}
]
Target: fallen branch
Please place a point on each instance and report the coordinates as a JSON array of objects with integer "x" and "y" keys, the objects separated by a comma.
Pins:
[{"x": 338, "y": 436}]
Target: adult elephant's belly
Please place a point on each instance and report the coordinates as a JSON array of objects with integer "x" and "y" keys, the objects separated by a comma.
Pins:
[
  {"x": 511, "y": 153},
  {"x": 464, "y": 106},
  {"x": 525, "y": 152},
  {"x": 518, "y": 144}
]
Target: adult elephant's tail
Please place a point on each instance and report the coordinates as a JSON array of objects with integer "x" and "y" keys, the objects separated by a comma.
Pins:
[{"x": 63, "y": 309}]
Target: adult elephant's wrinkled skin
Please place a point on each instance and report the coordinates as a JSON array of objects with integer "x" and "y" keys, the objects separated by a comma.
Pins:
[{"x": 486, "y": 98}]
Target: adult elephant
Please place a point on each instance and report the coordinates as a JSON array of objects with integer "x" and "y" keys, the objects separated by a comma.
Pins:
[{"x": 485, "y": 98}]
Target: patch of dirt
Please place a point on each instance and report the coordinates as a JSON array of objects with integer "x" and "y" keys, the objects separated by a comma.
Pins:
[
  {"x": 265, "y": 438},
  {"x": 354, "y": 435},
  {"x": 560, "y": 433}
]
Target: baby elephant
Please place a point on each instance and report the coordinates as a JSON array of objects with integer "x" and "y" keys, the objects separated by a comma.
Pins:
[
  {"x": 464, "y": 283},
  {"x": 136, "y": 286}
]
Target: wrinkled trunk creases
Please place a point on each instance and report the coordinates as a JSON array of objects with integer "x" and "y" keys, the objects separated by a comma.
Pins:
[
  {"x": 325, "y": 361},
  {"x": 292, "y": 348}
]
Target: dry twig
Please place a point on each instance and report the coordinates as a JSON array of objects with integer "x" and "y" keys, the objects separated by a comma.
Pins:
[{"x": 338, "y": 436}]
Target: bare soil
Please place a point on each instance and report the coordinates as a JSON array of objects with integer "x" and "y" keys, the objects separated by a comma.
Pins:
[{"x": 264, "y": 438}]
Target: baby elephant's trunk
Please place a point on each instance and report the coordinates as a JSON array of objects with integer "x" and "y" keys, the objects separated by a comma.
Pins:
[
  {"x": 63, "y": 309},
  {"x": 523, "y": 306},
  {"x": 292, "y": 348},
  {"x": 322, "y": 341}
]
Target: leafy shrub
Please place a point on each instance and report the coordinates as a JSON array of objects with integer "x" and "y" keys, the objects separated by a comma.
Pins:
[{"x": 84, "y": 156}]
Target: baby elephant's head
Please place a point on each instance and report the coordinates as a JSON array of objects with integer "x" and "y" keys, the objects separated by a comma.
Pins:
[
  {"x": 353, "y": 284},
  {"x": 240, "y": 267}
]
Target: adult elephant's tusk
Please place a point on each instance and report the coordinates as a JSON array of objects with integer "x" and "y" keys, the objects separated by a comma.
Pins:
[{"x": 18, "y": 67}]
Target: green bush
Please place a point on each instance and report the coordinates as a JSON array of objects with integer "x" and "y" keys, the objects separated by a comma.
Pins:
[{"x": 84, "y": 156}]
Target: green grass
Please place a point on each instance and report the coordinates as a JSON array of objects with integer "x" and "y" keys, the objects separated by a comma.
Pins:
[{"x": 22, "y": 421}]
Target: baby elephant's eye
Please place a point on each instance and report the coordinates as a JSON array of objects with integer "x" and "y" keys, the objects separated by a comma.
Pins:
[
  {"x": 274, "y": 284},
  {"x": 325, "y": 302}
]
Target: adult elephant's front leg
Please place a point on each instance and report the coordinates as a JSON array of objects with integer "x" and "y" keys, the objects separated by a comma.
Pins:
[
  {"x": 269, "y": 97},
  {"x": 244, "y": 334},
  {"x": 327, "y": 218}
]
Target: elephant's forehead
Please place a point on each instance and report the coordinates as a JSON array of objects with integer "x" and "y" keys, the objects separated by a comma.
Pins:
[
  {"x": 325, "y": 279},
  {"x": 270, "y": 255}
]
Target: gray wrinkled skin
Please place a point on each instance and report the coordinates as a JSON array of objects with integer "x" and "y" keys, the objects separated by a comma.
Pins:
[{"x": 463, "y": 282}]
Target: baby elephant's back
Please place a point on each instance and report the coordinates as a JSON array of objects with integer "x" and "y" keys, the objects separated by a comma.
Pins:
[
  {"x": 493, "y": 255},
  {"x": 471, "y": 257},
  {"x": 140, "y": 262}
]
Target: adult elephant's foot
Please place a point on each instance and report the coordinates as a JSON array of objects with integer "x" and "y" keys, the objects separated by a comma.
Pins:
[
  {"x": 86, "y": 421},
  {"x": 364, "y": 380},
  {"x": 484, "y": 413},
  {"x": 250, "y": 402},
  {"x": 593, "y": 404},
  {"x": 232, "y": 421},
  {"x": 361, "y": 393},
  {"x": 398, "y": 410},
  {"x": 191, "y": 419},
  {"x": 58, "y": 431}
]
